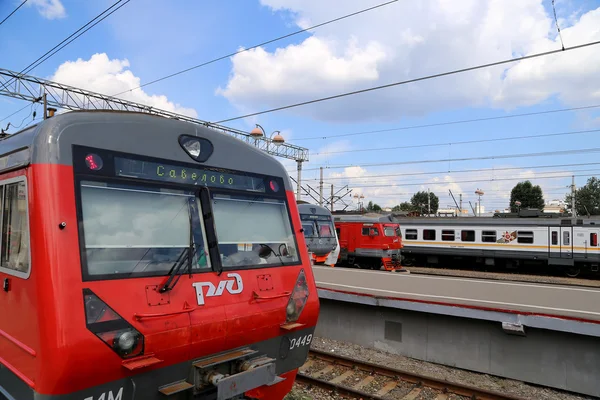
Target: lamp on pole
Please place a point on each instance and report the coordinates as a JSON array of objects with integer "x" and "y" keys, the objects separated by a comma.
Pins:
[
  {"x": 479, "y": 193},
  {"x": 275, "y": 137},
  {"x": 359, "y": 198}
]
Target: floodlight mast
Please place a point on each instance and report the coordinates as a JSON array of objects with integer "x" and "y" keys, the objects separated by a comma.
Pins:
[{"x": 33, "y": 89}]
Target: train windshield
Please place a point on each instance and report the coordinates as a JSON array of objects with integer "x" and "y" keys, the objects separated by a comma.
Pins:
[
  {"x": 325, "y": 229},
  {"x": 391, "y": 231},
  {"x": 132, "y": 230},
  {"x": 253, "y": 230},
  {"x": 317, "y": 226}
]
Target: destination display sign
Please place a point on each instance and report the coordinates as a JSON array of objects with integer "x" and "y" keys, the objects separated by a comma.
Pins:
[{"x": 126, "y": 167}]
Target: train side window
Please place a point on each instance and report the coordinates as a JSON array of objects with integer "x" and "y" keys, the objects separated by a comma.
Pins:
[
  {"x": 447, "y": 235},
  {"x": 365, "y": 231},
  {"x": 467, "y": 236},
  {"x": 525, "y": 237},
  {"x": 488, "y": 236},
  {"x": 411, "y": 234},
  {"x": 14, "y": 252},
  {"x": 428, "y": 234},
  {"x": 554, "y": 238},
  {"x": 594, "y": 239},
  {"x": 566, "y": 238}
]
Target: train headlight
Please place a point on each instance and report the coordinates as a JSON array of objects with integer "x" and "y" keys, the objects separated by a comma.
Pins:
[
  {"x": 111, "y": 328},
  {"x": 297, "y": 299},
  {"x": 125, "y": 342}
]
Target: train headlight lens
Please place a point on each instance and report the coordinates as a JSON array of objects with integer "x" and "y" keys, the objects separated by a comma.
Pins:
[
  {"x": 298, "y": 299},
  {"x": 111, "y": 328},
  {"x": 193, "y": 147},
  {"x": 125, "y": 342}
]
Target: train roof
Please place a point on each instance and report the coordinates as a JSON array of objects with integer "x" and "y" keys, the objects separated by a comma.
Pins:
[
  {"x": 365, "y": 218},
  {"x": 51, "y": 142},
  {"x": 491, "y": 221},
  {"x": 307, "y": 208}
]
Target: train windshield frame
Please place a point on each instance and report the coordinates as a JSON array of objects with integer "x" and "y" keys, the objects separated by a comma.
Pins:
[
  {"x": 122, "y": 236},
  {"x": 318, "y": 225}
]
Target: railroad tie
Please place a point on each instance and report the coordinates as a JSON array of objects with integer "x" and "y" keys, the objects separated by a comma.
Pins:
[
  {"x": 306, "y": 365},
  {"x": 343, "y": 377},
  {"x": 387, "y": 388},
  {"x": 364, "y": 382},
  {"x": 413, "y": 394},
  {"x": 324, "y": 371}
]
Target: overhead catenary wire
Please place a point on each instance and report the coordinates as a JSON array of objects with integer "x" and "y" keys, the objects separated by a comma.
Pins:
[
  {"x": 457, "y": 122},
  {"x": 256, "y": 46},
  {"x": 14, "y": 11},
  {"x": 493, "y": 157},
  {"x": 460, "y": 142},
  {"x": 423, "y": 78},
  {"x": 480, "y": 170},
  {"x": 15, "y": 113},
  {"x": 465, "y": 181},
  {"x": 75, "y": 35}
]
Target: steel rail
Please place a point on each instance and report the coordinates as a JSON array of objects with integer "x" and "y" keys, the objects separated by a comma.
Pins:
[{"x": 418, "y": 380}]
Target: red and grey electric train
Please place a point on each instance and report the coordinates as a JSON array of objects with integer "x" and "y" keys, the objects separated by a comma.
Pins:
[
  {"x": 148, "y": 258},
  {"x": 319, "y": 233}
]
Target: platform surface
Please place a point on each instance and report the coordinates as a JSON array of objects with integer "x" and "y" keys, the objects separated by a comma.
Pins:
[{"x": 543, "y": 300}]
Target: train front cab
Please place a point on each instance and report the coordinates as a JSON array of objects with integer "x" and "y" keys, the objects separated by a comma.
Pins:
[
  {"x": 370, "y": 245},
  {"x": 149, "y": 259},
  {"x": 319, "y": 233}
]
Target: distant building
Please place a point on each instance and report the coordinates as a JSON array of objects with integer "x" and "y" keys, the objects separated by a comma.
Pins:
[{"x": 555, "y": 206}]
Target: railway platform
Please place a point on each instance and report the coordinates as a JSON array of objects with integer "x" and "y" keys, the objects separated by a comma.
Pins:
[{"x": 538, "y": 333}]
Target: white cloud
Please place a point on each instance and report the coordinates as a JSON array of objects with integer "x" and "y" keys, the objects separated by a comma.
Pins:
[
  {"x": 102, "y": 75},
  {"x": 49, "y": 9},
  {"x": 410, "y": 39},
  {"x": 378, "y": 186}
]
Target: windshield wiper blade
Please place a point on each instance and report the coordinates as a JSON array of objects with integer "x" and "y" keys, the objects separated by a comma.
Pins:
[{"x": 179, "y": 263}]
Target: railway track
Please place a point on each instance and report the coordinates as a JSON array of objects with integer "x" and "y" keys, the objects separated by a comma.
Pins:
[{"x": 361, "y": 380}]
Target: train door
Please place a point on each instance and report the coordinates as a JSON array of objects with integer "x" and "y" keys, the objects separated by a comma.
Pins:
[{"x": 560, "y": 242}]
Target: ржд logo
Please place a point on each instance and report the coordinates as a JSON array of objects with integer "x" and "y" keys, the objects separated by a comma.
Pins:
[{"x": 212, "y": 291}]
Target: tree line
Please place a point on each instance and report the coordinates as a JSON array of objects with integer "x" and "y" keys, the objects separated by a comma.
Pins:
[{"x": 522, "y": 196}]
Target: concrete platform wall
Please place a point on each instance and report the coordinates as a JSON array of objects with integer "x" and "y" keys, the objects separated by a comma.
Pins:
[{"x": 550, "y": 358}]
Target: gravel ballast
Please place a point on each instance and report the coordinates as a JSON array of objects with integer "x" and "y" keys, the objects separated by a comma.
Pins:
[{"x": 483, "y": 381}]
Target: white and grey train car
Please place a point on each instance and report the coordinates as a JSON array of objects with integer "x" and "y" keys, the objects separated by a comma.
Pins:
[{"x": 570, "y": 244}]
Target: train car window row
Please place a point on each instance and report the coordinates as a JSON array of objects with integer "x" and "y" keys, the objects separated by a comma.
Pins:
[
  {"x": 14, "y": 248},
  {"x": 428, "y": 234},
  {"x": 525, "y": 237},
  {"x": 411, "y": 234},
  {"x": 447, "y": 235},
  {"x": 467, "y": 236},
  {"x": 488, "y": 236}
]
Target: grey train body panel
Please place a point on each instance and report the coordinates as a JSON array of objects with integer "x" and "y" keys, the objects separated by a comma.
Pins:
[
  {"x": 51, "y": 141},
  {"x": 547, "y": 239},
  {"x": 320, "y": 246}
]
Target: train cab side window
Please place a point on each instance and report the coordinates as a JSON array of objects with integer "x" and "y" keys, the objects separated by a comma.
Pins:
[
  {"x": 525, "y": 237},
  {"x": 411, "y": 234},
  {"x": 488, "y": 236},
  {"x": 14, "y": 249},
  {"x": 428, "y": 234},
  {"x": 467, "y": 236},
  {"x": 594, "y": 239},
  {"x": 448, "y": 235},
  {"x": 369, "y": 229}
]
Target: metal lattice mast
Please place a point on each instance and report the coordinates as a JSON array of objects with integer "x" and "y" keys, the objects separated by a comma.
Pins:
[{"x": 30, "y": 88}]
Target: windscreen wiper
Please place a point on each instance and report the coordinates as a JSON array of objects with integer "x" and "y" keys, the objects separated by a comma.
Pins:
[{"x": 177, "y": 268}]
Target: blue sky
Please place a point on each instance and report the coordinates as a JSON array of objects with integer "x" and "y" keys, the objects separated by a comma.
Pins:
[{"x": 148, "y": 39}]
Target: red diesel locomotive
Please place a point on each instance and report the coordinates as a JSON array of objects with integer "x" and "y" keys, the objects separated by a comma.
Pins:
[
  {"x": 148, "y": 258},
  {"x": 369, "y": 242}
]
